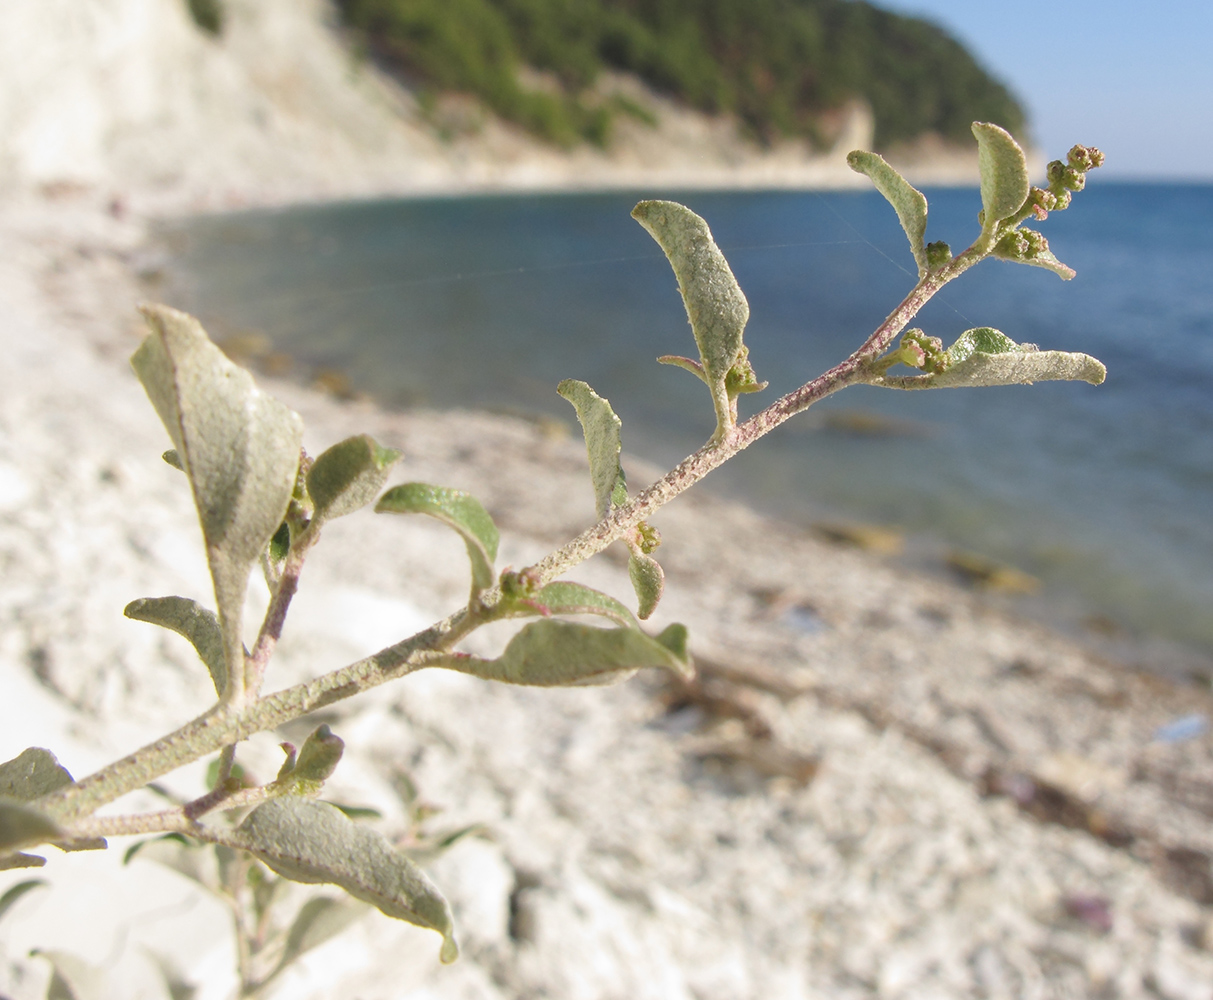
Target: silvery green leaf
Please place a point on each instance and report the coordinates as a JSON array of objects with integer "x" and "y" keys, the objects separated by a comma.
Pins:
[
  {"x": 563, "y": 597},
  {"x": 348, "y": 476},
  {"x": 602, "y": 443},
  {"x": 15, "y": 892},
  {"x": 240, "y": 450},
  {"x": 552, "y": 653},
  {"x": 31, "y": 774},
  {"x": 648, "y": 580},
  {"x": 307, "y": 841},
  {"x": 461, "y": 511},
  {"x": 190, "y": 619},
  {"x": 318, "y": 921},
  {"x": 715, "y": 305},
  {"x": 1017, "y": 367},
  {"x": 72, "y": 978},
  {"x": 23, "y": 826},
  {"x": 1004, "y": 172},
  {"x": 20, "y": 860},
  {"x": 909, "y": 203}
]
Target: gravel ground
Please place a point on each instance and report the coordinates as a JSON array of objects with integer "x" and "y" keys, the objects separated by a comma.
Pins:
[{"x": 880, "y": 785}]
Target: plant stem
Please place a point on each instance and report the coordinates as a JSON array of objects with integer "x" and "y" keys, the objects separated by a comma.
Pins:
[
  {"x": 182, "y": 820},
  {"x": 226, "y": 724}
]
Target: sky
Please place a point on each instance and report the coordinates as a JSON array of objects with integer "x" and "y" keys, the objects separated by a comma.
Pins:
[{"x": 1101, "y": 72}]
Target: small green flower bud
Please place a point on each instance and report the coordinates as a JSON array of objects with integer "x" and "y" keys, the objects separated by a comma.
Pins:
[
  {"x": 1042, "y": 201},
  {"x": 518, "y": 585},
  {"x": 1035, "y": 243},
  {"x": 1063, "y": 200},
  {"x": 1012, "y": 246},
  {"x": 938, "y": 254},
  {"x": 920, "y": 351},
  {"x": 1096, "y": 155},
  {"x": 1073, "y": 179},
  {"x": 1079, "y": 158},
  {"x": 1056, "y": 172},
  {"x": 912, "y": 354},
  {"x": 650, "y": 537}
]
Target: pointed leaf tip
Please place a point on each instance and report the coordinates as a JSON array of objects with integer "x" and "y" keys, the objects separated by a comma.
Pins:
[
  {"x": 909, "y": 203},
  {"x": 603, "y": 443},
  {"x": 1004, "y": 172},
  {"x": 458, "y": 510}
]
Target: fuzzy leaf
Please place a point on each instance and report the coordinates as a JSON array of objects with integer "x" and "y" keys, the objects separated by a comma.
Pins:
[
  {"x": 239, "y": 448},
  {"x": 31, "y": 774},
  {"x": 461, "y": 511},
  {"x": 307, "y": 841},
  {"x": 602, "y": 443},
  {"x": 319, "y": 920},
  {"x": 23, "y": 826},
  {"x": 1004, "y": 363},
  {"x": 648, "y": 580},
  {"x": 1004, "y": 172},
  {"x": 189, "y": 619},
  {"x": 553, "y": 653},
  {"x": 347, "y": 476},
  {"x": 716, "y": 307},
  {"x": 567, "y": 598},
  {"x": 909, "y": 203}
]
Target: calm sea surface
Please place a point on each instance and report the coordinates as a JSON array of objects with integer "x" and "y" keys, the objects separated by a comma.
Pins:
[{"x": 1106, "y": 493}]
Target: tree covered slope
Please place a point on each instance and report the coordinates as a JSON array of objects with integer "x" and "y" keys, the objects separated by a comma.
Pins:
[{"x": 779, "y": 65}]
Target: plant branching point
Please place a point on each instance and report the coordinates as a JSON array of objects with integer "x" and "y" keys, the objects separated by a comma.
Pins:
[{"x": 261, "y": 501}]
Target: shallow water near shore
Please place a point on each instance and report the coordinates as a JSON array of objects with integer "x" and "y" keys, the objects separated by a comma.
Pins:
[{"x": 1103, "y": 493}]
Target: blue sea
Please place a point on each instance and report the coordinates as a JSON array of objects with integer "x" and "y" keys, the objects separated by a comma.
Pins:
[{"x": 1103, "y": 493}]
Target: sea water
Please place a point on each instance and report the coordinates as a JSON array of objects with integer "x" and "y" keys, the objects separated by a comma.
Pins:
[{"x": 1103, "y": 493}]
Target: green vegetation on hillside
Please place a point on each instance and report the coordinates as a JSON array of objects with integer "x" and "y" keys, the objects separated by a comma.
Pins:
[{"x": 779, "y": 65}]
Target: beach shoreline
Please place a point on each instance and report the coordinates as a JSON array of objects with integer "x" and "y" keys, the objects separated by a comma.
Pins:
[
  {"x": 881, "y": 785},
  {"x": 988, "y": 704}
]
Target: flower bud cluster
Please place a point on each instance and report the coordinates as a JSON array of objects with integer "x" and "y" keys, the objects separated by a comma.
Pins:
[
  {"x": 920, "y": 351},
  {"x": 649, "y": 537},
  {"x": 1022, "y": 245},
  {"x": 1072, "y": 174}
]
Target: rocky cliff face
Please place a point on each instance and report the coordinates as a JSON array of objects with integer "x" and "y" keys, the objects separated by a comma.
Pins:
[
  {"x": 131, "y": 96},
  {"x": 131, "y": 99}
]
